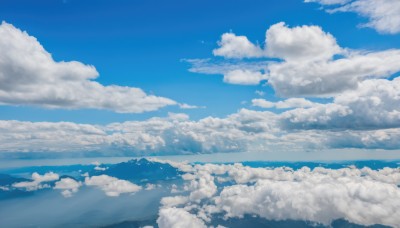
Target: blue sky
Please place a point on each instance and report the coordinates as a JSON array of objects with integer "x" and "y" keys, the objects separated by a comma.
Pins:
[
  {"x": 141, "y": 44},
  {"x": 147, "y": 45}
]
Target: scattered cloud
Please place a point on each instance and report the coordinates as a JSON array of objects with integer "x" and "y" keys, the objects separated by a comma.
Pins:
[
  {"x": 179, "y": 218},
  {"x": 383, "y": 15},
  {"x": 329, "y": 78},
  {"x": 112, "y": 186},
  {"x": 311, "y": 64},
  {"x": 207, "y": 66},
  {"x": 38, "y": 181},
  {"x": 373, "y": 105},
  {"x": 244, "y": 77},
  {"x": 288, "y": 103},
  {"x": 302, "y": 43},
  {"x": 232, "y": 46},
  {"x": 201, "y": 186},
  {"x": 173, "y": 201},
  {"x": 68, "y": 185},
  {"x": 187, "y": 106},
  {"x": 30, "y": 76}
]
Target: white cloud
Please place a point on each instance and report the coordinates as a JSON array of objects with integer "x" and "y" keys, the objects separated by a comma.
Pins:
[
  {"x": 173, "y": 201},
  {"x": 232, "y": 46},
  {"x": 307, "y": 73},
  {"x": 288, "y": 103},
  {"x": 112, "y": 186},
  {"x": 320, "y": 195},
  {"x": 187, "y": 106},
  {"x": 202, "y": 187},
  {"x": 37, "y": 181},
  {"x": 302, "y": 43},
  {"x": 178, "y": 218},
  {"x": 328, "y": 78},
  {"x": 68, "y": 185},
  {"x": 374, "y": 104},
  {"x": 30, "y": 76},
  {"x": 383, "y": 15},
  {"x": 315, "y": 200},
  {"x": 246, "y": 130},
  {"x": 244, "y": 77},
  {"x": 312, "y": 64},
  {"x": 150, "y": 186}
]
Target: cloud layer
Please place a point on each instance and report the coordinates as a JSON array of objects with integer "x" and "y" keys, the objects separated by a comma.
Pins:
[
  {"x": 30, "y": 76},
  {"x": 361, "y": 196},
  {"x": 210, "y": 194},
  {"x": 337, "y": 125}
]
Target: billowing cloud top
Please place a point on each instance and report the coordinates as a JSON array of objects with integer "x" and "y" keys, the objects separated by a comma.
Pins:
[{"x": 317, "y": 195}]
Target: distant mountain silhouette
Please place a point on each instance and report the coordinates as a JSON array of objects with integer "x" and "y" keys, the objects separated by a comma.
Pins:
[
  {"x": 6, "y": 179},
  {"x": 139, "y": 170}
]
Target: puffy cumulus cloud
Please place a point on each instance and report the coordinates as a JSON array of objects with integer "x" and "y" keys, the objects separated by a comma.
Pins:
[
  {"x": 375, "y": 104},
  {"x": 38, "y": 181},
  {"x": 68, "y": 185},
  {"x": 320, "y": 195},
  {"x": 30, "y": 76},
  {"x": 302, "y": 43},
  {"x": 244, "y": 77},
  {"x": 313, "y": 200},
  {"x": 202, "y": 186},
  {"x": 112, "y": 186},
  {"x": 232, "y": 46},
  {"x": 307, "y": 73},
  {"x": 383, "y": 15},
  {"x": 173, "y": 201},
  {"x": 329, "y": 78},
  {"x": 311, "y": 63},
  {"x": 178, "y": 218},
  {"x": 288, "y": 103}
]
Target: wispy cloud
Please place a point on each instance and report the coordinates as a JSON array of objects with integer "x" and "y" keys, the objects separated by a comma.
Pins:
[{"x": 383, "y": 15}]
